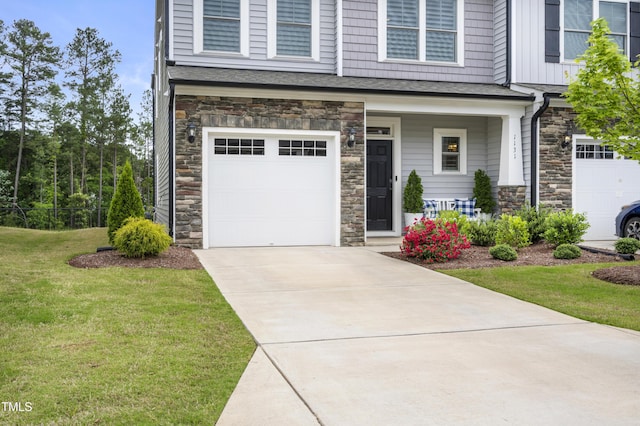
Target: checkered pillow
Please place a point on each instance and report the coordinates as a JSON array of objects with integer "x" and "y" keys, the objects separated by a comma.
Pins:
[
  {"x": 466, "y": 206},
  {"x": 431, "y": 204}
]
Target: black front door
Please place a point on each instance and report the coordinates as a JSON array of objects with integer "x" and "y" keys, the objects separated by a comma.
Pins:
[{"x": 379, "y": 185}]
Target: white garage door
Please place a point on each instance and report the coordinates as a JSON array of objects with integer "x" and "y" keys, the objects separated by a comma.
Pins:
[
  {"x": 602, "y": 184},
  {"x": 271, "y": 190}
]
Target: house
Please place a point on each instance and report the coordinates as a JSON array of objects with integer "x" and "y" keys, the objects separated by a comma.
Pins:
[{"x": 297, "y": 122}]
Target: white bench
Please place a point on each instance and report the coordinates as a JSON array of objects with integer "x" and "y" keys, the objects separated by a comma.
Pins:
[{"x": 444, "y": 204}]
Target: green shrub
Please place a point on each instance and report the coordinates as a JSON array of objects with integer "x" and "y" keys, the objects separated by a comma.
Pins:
[
  {"x": 567, "y": 251},
  {"x": 456, "y": 217},
  {"x": 126, "y": 202},
  {"x": 139, "y": 237},
  {"x": 482, "y": 192},
  {"x": 503, "y": 252},
  {"x": 627, "y": 245},
  {"x": 513, "y": 231},
  {"x": 536, "y": 218},
  {"x": 412, "y": 197},
  {"x": 565, "y": 228},
  {"x": 43, "y": 217},
  {"x": 482, "y": 232}
]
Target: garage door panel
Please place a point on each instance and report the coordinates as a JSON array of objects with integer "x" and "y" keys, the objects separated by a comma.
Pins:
[
  {"x": 272, "y": 199},
  {"x": 602, "y": 185}
]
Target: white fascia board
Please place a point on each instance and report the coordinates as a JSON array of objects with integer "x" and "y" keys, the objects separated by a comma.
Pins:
[{"x": 377, "y": 102}]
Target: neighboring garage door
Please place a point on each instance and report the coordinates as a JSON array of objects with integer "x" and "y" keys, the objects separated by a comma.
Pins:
[
  {"x": 602, "y": 184},
  {"x": 271, "y": 190}
]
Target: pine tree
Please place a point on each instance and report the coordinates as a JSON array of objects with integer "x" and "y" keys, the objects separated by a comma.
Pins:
[
  {"x": 482, "y": 192},
  {"x": 126, "y": 202}
]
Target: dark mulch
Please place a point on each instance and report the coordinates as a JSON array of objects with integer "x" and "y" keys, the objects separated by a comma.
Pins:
[
  {"x": 173, "y": 258},
  {"x": 536, "y": 254}
]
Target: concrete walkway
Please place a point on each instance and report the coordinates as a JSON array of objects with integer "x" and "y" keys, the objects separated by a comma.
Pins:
[{"x": 350, "y": 337}]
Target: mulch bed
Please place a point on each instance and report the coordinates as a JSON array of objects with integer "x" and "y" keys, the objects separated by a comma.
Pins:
[
  {"x": 173, "y": 258},
  {"x": 536, "y": 254}
]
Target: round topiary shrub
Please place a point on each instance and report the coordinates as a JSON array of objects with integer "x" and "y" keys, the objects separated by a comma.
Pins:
[
  {"x": 503, "y": 252},
  {"x": 567, "y": 251},
  {"x": 513, "y": 231},
  {"x": 140, "y": 238},
  {"x": 627, "y": 245}
]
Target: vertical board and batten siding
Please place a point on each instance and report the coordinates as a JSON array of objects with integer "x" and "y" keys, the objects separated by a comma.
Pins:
[
  {"x": 529, "y": 50},
  {"x": 361, "y": 46},
  {"x": 258, "y": 58},
  {"x": 417, "y": 152},
  {"x": 500, "y": 44}
]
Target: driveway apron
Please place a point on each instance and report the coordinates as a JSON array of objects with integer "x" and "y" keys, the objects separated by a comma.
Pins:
[{"x": 347, "y": 336}]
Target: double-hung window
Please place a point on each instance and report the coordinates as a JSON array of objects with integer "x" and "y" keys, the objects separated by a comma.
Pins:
[
  {"x": 294, "y": 29},
  {"x": 450, "y": 151},
  {"x": 578, "y": 15},
  {"x": 421, "y": 30},
  {"x": 221, "y": 26}
]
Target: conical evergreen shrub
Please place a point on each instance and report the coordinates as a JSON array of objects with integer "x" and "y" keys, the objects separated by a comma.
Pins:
[
  {"x": 126, "y": 202},
  {"x": 482, "y": 192}
]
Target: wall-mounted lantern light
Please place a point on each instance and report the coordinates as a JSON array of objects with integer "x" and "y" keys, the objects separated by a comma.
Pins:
[
  {"x": 351, "y": 141},
  {"x": 566, "y": 141},
  {"x": 191, "y": 132}
]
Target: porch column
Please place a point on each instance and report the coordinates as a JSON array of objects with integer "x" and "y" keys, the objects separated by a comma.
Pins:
[{"x": 511, "y": 160}]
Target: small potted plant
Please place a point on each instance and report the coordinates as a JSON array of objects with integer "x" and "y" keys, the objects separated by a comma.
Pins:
[{"x": 412, "y": 199}]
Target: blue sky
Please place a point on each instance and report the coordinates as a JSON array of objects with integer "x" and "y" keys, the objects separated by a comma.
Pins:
[{"x": 126, "y": 24}]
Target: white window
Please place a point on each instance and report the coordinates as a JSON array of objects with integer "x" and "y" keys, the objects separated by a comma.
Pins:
[
  {"x": 578, "y": 15},
  {"x": 294, "y": 29},
  {"x": 450, "y": 151},
  {"x": 421, "y": 30},
  {"x": 221, "y": 26}
]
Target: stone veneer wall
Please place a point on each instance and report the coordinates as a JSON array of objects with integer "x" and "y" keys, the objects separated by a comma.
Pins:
[
  {"x": 555, "y": 167},
  {"x": 511, "y": 198},
  {"x": 213, "y": 111}
]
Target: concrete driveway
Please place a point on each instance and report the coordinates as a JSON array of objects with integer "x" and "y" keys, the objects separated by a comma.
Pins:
[{"x": 350, "y": 337}]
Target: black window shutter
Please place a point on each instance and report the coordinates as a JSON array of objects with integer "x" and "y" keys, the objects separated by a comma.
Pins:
[
  {"x": 552, "y": 31},
  {"x": 634, "y": 34}
]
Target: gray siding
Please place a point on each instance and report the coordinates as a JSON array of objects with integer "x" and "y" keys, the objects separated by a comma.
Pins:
[
  {"x": 258, "y": 57},
  {"x": 528, "y": 39},
  {"x": 361, "y": 46},
  {"x": 526, "y": 148},
  {"x": 161, "y": 126},
  {"x": 494, "y": 141},
  {"x": 417, "y": 152},
  {"x": 500, "y": 41}
]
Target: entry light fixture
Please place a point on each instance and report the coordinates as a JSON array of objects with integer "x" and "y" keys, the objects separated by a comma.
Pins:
[
  {"x": 351, "y": 141},
  {"x": 566, "y": 141},
  {"x": 191, "y": 132}
]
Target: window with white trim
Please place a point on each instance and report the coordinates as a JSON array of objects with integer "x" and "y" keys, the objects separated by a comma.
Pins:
[
  {"x": 450, "y": 151},
  {"x": 221, "y": 26},
  {"x": 593, "y": 150},
  {"x": 578, "y": 15},
  {"x": 421, "y": 30},
  {"x": 294, "y": 29},
  {"x": 302, "y": 148}
]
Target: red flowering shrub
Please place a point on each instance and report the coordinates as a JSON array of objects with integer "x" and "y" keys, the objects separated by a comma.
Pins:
[{"x": 434, "y": 241}]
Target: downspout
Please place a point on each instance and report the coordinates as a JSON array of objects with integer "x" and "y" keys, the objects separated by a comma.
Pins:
[
  {"x": 507, "y": 81},
  {"x": 171, "y": 213},
  {"x": 534, "y": 147}
]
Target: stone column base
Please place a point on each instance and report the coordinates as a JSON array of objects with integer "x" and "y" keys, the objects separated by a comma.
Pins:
[{"x": 511, "y": 198}]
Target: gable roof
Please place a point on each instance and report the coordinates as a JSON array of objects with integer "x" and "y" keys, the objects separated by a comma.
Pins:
[{"x": 223, "y": 77}]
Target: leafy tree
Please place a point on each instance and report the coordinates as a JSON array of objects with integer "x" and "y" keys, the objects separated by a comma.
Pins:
[
  {"x": 6, "y": 189},
  {"x": 606, "y": 95},
  {"x": 33, "y": 59},
  {"x": 126, "y": 202},
  {"x": 90, "y": 62}
]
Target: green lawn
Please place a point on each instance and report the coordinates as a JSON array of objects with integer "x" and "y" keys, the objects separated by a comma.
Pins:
[
  {"x": 568, "y": 289},
  {"x": 112, "y": 345}
]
